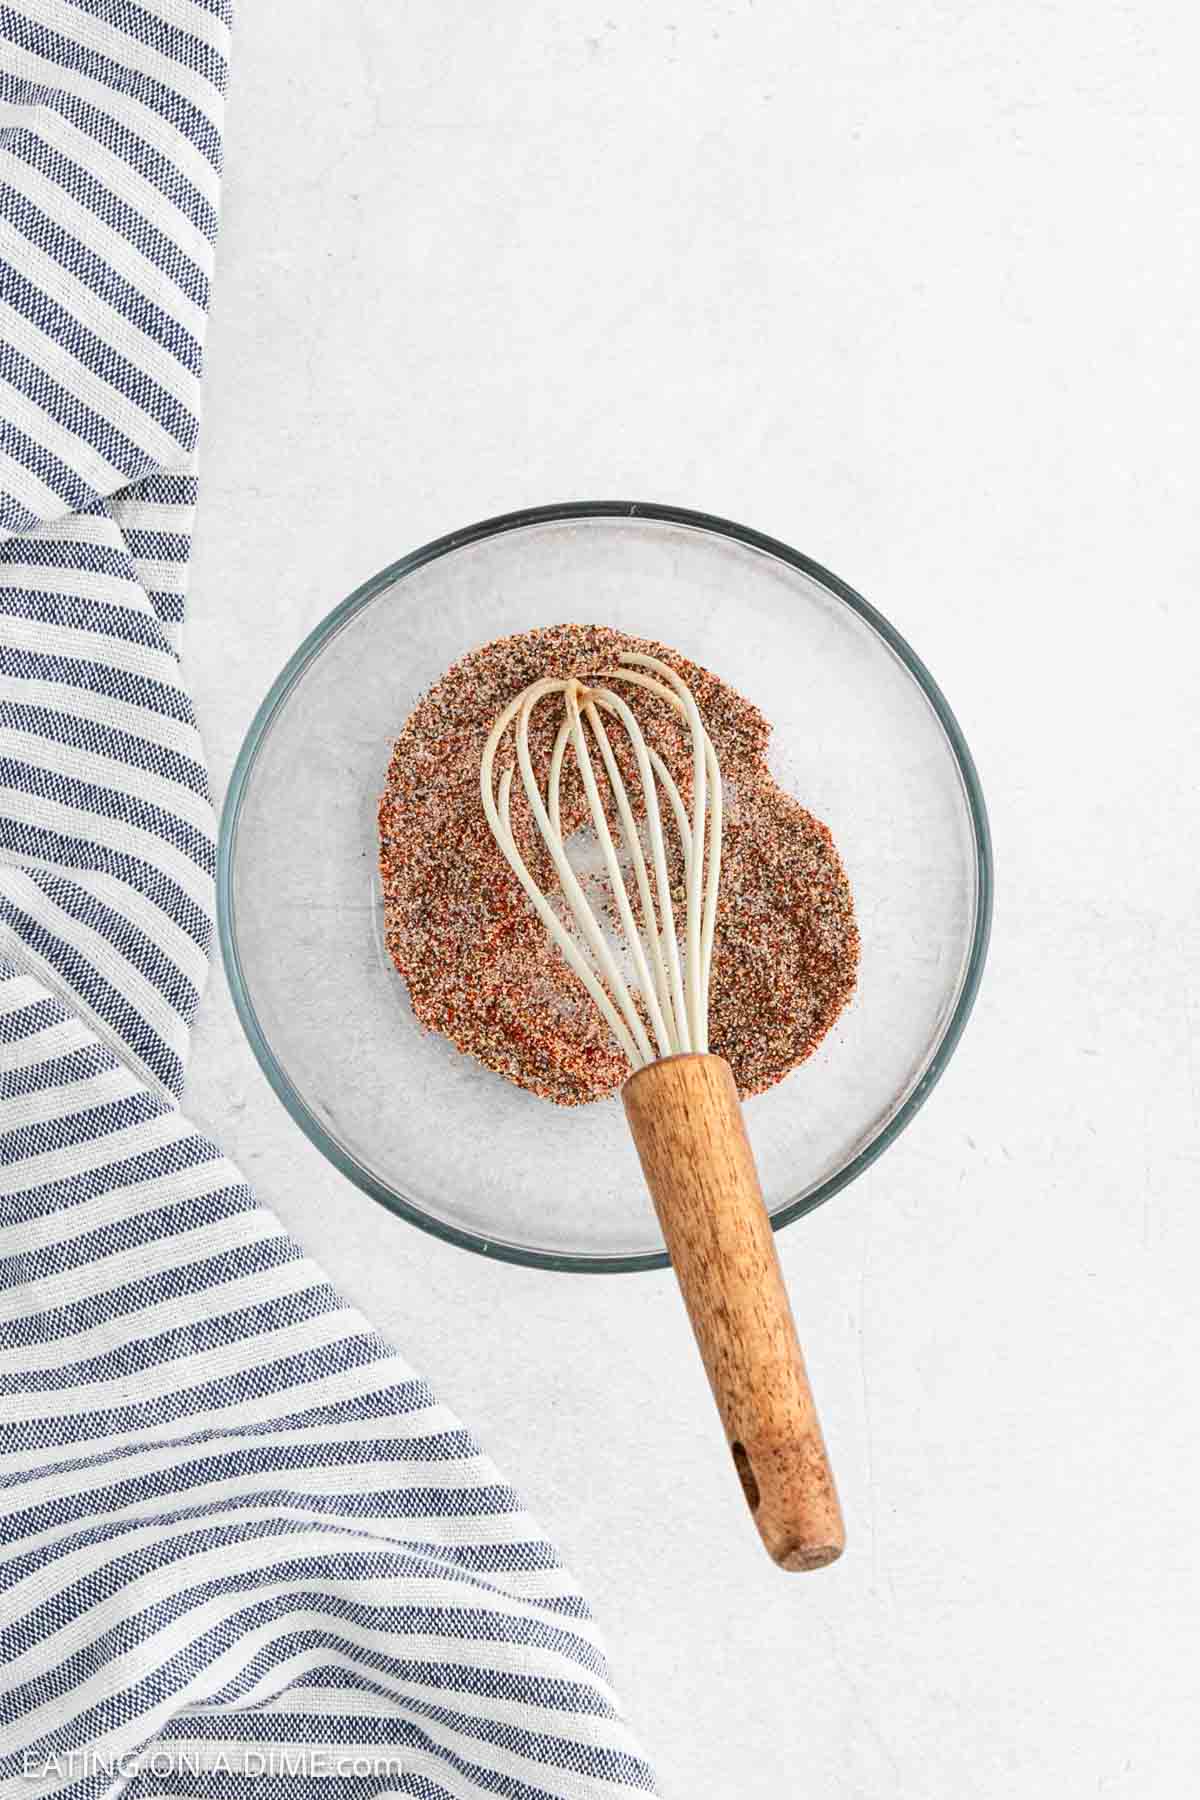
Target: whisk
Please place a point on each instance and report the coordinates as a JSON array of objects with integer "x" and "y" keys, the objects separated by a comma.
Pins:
[{"x": 681, "y": 1102}]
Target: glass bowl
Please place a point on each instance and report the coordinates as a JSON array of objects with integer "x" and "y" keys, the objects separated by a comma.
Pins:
[{"x": 862, "y": 736}]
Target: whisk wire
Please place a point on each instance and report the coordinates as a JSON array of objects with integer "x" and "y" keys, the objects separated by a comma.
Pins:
[
  {"x": 668, "y": 974},
  {"x": 649, "y": 985},
  {"x": 500, "y": 821},
  {"x": 702, "y": 752},
  {"x": 577, "y": 901},
  {"x": 675, "y": 995},
  {"x": 563, "y": 938}
]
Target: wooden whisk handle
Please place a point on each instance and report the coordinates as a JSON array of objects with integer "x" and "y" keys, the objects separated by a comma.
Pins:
[{"x": 687, "y": 1124}]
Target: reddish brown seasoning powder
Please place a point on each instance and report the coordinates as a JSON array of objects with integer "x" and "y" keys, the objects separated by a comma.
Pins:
[{"x": 480, "y": 968}]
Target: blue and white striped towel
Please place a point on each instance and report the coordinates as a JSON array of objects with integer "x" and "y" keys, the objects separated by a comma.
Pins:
[{"x": 237, "y": 1528}]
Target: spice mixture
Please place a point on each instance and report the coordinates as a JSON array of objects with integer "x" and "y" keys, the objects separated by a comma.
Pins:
[{"x": 480, "y": 968}]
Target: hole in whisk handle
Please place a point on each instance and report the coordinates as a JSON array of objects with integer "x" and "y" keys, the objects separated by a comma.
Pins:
[{"x": 741, "y": 1463}]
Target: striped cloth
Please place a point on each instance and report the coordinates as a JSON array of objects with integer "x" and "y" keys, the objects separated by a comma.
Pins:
[{"x": 241, "y": 1538}]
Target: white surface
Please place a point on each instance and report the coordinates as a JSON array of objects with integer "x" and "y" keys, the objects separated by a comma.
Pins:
[{"x": 912, "y": 288}]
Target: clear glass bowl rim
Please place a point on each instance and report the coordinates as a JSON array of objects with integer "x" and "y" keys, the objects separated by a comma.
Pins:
[{"x": 362, "y": 596}]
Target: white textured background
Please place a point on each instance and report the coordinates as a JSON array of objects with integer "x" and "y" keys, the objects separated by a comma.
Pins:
[{"x": 914, "y": 288}]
